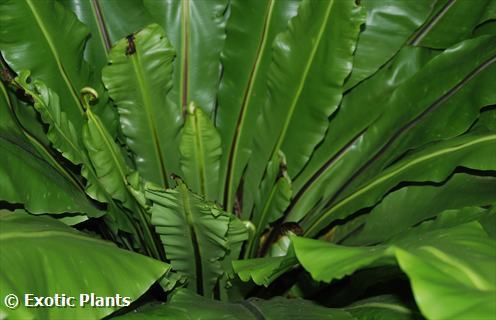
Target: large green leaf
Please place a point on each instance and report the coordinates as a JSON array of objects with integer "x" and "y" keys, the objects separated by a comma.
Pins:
[
  {"x": 26, "y": 117},
  {"x": 107, "y": 160},
  {"x": 349, "y": 124},
  {"x": 196, "y": 31},
  {"x": 61, "y": 130},
  {"x": 460, "y": 111},
  {"x": 43, "y": 257},
  {"x": 64, "y": 137},
  {"x": 108, "y": 21},
  {"x": 138, "y": 79},
  {"x": 29, "y": 180},
  {"x": 388, "y": 26},
  {"x": 305, "y": 82},
  {"x": 200, "y": 153},
  {"x": 112, "y": 172},
  {"x": 410, "y": 205},
  {"x": 346, "y": 155},
  {"x": 451, "y": 269},
  {"x": 243, "y": 90},
  {"x": 432, "y": 163},
  {"x": 185, "y": 305},
  {"x": 65, "y": 194},
  {"x": 193, "y": 233},
  {"x": 32, "y": 29}
]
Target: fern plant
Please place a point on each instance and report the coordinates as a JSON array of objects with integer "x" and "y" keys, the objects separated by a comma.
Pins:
[{"x": 238, "y": 159}]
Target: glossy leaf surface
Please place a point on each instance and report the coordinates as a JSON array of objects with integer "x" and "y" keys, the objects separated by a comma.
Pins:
[
  {"x": 410, "y": 205},
  {"x": 30, "y": 29},
  {"x": 252, "y": 28},
  {"x": 473, "y": 150},
  {"x": 388, "y": 26},
  {"x": 200, "y": 148},
  {"x": 296, "y": 122},
  {"x": 108, "y": 21},
  {"x": 58, "y": 252},
  {"x": 451, "y": 270},
  {"x": 138, "y": 79},
  {"x": 196, "y": 31}
]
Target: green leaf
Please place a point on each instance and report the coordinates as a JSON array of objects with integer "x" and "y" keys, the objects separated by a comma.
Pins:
[
  {"x": 245, "y": 60},
  {"x": 349, "y": 157},
  {"x": 61, "y": 131},
  {"x": 452, "y": 218},
  {"x": 410, "y": 205},
  {"x": 112, "y": 172},
  {"x": 383, "y": 307},
  {"x": 30, "y": 153},
  {"x": 59, "y": 252},
  {"x": 263, "y": 271},
  {"x": 200, "y": 149},
  {"x": 29, "y": 180},
  {"x": 65, "y": 139},
  {"x": 21, "y": 115},
  {"x": 305, "y": 83},
  {"x": 451, "y": 269},
  {"x": 453, "y": 22},
  {"x": 336, "y": 261},
  {"x": 138, "y": 78},
  {"x": 463, "y": 284},
  {"x": 196, "y": 31},
  {"x": 186, "y": 305},
  {"x": 108, "y": 21},
  {"x": 193, "y": 233},
  {"x": 107, "y": 160},
  {"x": 272, "y": 199},
  {"x": 461, "y": 109},
  {"x": 33, "y": 29},
  {"x": 237, "y": 233},
  {"x": 432, "y": 163},
  {"x": 388, "y": 26},
  {"x": 346, "y": 129},
  {"x": 489, "y": 12},
  {"x": 488, "y": 222}
]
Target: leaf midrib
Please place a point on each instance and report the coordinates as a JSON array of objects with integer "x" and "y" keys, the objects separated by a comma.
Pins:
[
  {"x": 304, "y": 77},
  {"x": 233, "y": 152},
  {"x": 200, "y": 153},
  {"x": 147, "y": 104},
  {"x": 184, "y": 79},
  {"x": 39, "y": 146},
  {"x": 102, "y": 28},
  {"x": 55, "y": 54},
  {"x": 260, "y": 224},
  {"x": 108, "y": 145},
  {"x": 436, "y": 104},
  {"x": 424, "y": 31},
  {"x": 194, "y": 239},
  {"x": 412, "y": 123},
  {"x": 55, "y": 124}
]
